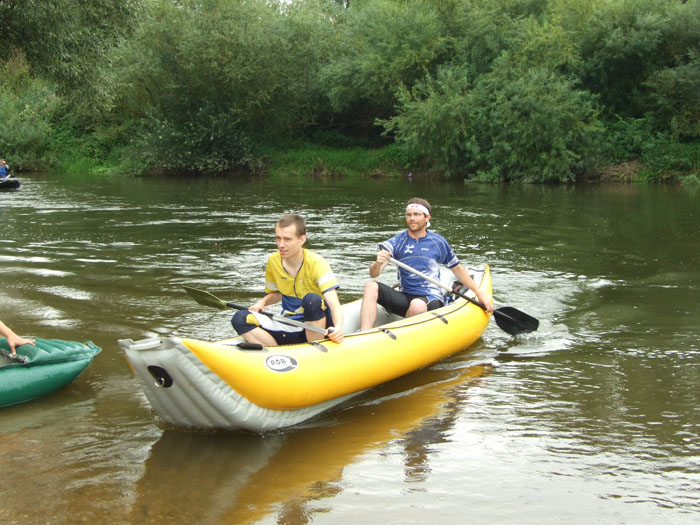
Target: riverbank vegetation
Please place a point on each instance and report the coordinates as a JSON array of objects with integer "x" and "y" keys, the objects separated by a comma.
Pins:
[{"x": 488, "y": 90}]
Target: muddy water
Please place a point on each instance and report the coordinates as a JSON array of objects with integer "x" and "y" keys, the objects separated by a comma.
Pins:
[{"x": 594, "y": 418}]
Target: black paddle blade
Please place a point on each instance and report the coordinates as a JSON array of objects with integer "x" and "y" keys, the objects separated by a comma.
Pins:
[
  {"x": 205, "y": 298},
  {"x": 514, "y": 321}
]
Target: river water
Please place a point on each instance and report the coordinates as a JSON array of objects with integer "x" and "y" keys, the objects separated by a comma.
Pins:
[{"x": 595, "y": 418}]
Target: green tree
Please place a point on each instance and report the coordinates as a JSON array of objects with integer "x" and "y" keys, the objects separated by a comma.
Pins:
[
  {"x": 674, "y": 88},
  {"x": 676, "y": 99},
  {"x": 623, "y": 44},
  {"x": 201, "y": 81},
  {"x": 27, "y": 107},
  {"x": 524, "y": 119},
  {"x": 532, "y": 127},
  {"x": 66, "y": 40},
  {"x": 382, "y": 45}
]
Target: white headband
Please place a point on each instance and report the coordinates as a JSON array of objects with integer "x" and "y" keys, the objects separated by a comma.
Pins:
[{"x": 420, "y": 208}]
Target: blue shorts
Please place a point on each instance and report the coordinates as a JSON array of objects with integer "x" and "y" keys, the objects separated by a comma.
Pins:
[{"x": 314, "y": 308}]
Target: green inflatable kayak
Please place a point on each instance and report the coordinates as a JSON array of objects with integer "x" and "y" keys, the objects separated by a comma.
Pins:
[{"x": 40, "y": 370}]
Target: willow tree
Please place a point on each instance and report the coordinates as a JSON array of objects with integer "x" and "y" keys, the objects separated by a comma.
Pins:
[
  {"x": 66, "y": 41},
  {"x": 382, "y": 45},
  {"x": 523, "y": 118},
  {"x": 201, "y": 81},
  {"x": 27, "y": 107}
]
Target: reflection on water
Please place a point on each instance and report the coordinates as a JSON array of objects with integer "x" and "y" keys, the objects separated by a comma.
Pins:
[
  {"x": 596, "y": 413},
  {"x": 241, "y": 478}
]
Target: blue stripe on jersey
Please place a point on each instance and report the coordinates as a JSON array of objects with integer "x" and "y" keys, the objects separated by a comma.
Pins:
[{"x": 292, "y": 304}]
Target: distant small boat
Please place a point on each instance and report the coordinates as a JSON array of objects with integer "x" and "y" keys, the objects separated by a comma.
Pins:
[
  {"x": 9, "y": 183},
  {"x": 37, "y": 371}
]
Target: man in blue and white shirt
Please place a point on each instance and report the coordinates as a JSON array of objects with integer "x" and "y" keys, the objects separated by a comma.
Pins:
[
  {"x": 4, "y": 169},
  {"x": 423, "y": 250}
]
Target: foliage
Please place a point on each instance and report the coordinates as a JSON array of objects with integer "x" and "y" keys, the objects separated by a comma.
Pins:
[
  {"x": 381, "y": 46},
  {"x": 661, "y": 156},
  {"x": 204, "y": 139},
  {"x": 632, "y": 50},
  {"x": 482, "y": 30},
  {"x": 500, "y": 90},
  {"x": 536, "y": 127},
  {"x": 201, "y": 78},
  {"x": 26, "y": 109},
  {"x": 691, "y": 179},
  {"x": 66, "y": 41},
  {"x": 618, "y": 47},
  {"x": 311, "y": 159},
  {"x": 521, "y": 120},
  {"x": 531, "y": 127},
  {"x": 675, "y": 100}
]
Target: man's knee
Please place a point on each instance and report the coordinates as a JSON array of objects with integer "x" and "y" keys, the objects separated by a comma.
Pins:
[
  {"x": 242, "y": 323},
  {"x": 311, "y": 301},
  {"x": 313, "y": 307},
  {"x": 371, "y": 289},
  {"x": 416, "y": 307}
]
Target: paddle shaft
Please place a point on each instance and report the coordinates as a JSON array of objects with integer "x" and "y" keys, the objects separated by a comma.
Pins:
[
  {"x": 508, "y": 319},
  {"x": 208, "y": 299},
  {"x": 435, "y": 282}
]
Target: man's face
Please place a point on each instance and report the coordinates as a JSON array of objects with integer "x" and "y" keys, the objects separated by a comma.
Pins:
[
  {"x": 416, "y": 220},
  {"x": 288, "y": 242}
]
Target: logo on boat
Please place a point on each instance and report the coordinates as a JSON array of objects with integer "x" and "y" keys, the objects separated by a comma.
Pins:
[{"x": 281, "y": 363}]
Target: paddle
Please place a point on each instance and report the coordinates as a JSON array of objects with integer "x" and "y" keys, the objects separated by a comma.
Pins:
[
  {"x": 509, "y": 319},
  {"x": 207, "y": 299}
]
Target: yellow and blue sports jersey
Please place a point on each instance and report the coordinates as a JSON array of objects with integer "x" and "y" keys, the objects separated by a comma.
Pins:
[{"x": 314, "y": 276}]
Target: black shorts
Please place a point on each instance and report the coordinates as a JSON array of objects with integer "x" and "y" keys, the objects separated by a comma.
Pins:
[
  {"x": 314, "y": 307},
  {"x": 398, "y": 302}
]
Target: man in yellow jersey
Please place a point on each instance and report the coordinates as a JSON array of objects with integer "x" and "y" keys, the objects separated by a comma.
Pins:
[{"x": 305, "y": 284}]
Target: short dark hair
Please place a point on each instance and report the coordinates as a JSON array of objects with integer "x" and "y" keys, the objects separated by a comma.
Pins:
[
  {"x": 293, "y": 219},
  {"x": 422, "y": 202}
]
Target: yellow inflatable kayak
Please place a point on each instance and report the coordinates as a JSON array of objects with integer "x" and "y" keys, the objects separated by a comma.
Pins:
[{"x": 203, "y": 384}]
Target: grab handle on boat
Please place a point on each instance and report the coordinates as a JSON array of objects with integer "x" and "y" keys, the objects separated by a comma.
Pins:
[{"x": 15, "y": 357}]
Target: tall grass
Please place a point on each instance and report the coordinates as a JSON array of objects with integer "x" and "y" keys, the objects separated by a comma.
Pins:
[{"x": 304, "y": 159}]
